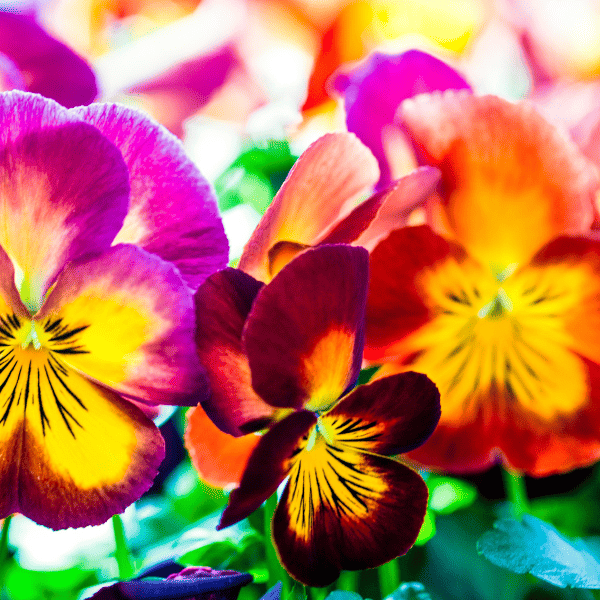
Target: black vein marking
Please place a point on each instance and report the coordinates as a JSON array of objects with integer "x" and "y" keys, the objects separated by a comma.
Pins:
[{"x": 64, "y": 339}]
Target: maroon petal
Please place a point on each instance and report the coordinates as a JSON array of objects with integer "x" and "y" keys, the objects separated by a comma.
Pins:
[
  {"x": 173, "y": 212},
  {"x": 374, "y": 91},
  {"x": 304, "y": 334},
  {"x": 223, "y": 302},
  {"x": 388, "y": 416},
  {"x": 49, "y": 67},
  {"x": 346, "y": 511},
  {"x": 268, "y": 466}
]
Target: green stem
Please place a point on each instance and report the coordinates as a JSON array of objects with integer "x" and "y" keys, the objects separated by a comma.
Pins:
[
  {"x": 276, "y": 571},
  {"x": 348, "y": 581},
  {"x": 122, "y": 553},
  {"x": 389, "y": 578},
  {"x": 4, "y": 549},
  {"x": 516, "y": 492}
]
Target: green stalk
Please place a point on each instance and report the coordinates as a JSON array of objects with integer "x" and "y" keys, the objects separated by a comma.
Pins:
[
  {"x": 389, "y": 578},
  {"x": 516, "y": 492},
  {"x": 276, "y": 571},
  {"x": 122, "y": 554},
  {"x": 348, "y": 581},
  {"x": 4, "y": 548}
]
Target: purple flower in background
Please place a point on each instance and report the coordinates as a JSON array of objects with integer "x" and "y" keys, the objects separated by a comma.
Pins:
[
  {"x": 33, "y": 61},
  {"x": 191, "y": 583},
  {"x": 107, "y": 229},
  {"x": 376, "y": 88}
]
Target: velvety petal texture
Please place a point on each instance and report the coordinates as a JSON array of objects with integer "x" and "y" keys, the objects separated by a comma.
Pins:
[
  {"x": 370, "y": 110},
  {"x": 126, "y": 319},
  {"x": 75, "y": 182},
  {"x": 222, "y": 306},
  {"x": 313, "y": 310},
  {"x": 332, "y": 174},
  {"x": 51, "y": 68},
  {"x": 535, "y": 182},
  {"x": 173, "y": 212}
]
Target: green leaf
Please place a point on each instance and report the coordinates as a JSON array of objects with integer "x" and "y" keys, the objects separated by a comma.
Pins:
[
  {"x": 533, "y": 546},
  {"x": 427, "y": 529},
  {"x": 447, "y": 494},
  {"x": 412, "y": 590}
]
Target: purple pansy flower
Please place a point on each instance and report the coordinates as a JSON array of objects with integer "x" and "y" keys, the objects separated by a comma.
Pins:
[
  {"x": 107, "y": 228},
  {"x": 34, "y": 61},
  {"x": 191, "y": 583}
]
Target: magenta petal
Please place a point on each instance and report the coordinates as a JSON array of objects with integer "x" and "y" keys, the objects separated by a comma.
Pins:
[
  {"x": 64, "y": 187},
  {"x": 304, "y": 335},
  {"x": 173, "y": 212},
  {"x": 126, "y": 319},
  {"x": 10, "y": 75},
  {"x": 374, "y": 91},
  {"x": 52, "y": 69}
]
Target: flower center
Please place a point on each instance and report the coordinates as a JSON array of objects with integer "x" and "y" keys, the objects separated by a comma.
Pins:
[{"x": 494, "y": 342}]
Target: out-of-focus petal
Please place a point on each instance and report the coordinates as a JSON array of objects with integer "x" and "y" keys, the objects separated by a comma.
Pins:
[
  {"x": 219, "y": 458},
  {"x": 64, "y": 190},
  {"x": 277, "y": 449},
  {"x": 126, "y": 319},
  {"x": 387, "y": 416},
  {"x": 50, "y": 68},
  {"x": 511, "y": 182},
  {"x": 346, "y": 510},
  {"x": 396, "y": 304},
  {"x": 332, "y": 173},
  {"x": 223, "y": 302},
  {"x": 173, "y": 212},
  {"x": 73, "y": 454},
  {"x": 375, "y": 89},
  {"x": 10, "y": 76},
  {"x": 385, "y": 210},
  {"x": 304, "y": 334}
]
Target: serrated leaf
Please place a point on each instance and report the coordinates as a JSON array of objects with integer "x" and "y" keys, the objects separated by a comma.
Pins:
[
  {"x": 343, "y": 595},
  {"x": 533, "y": 546},
  {"x": 412, "y": 590}
]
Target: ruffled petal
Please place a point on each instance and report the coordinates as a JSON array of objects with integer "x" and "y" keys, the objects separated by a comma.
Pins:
[
  {"x": 397, "y": 304},
  {"x": 64, "y": 189},
  {"x": 385, "y": 210},
  {"x": 326, "y": 179},
  {"x": 223, "y": 302},
  {"x": 268, "y": 466},
  {"x": 304, "y": 334},
  {"x": 53, "y": 70},
  {"x": 72, "y": 453},
  {"x": 387, "y": 416},
  {"x": 173, "y": 212},
  {"x": 346, "y": 510},
  {"x": 375, "y": 89},
  {"x": 219, "y": 458},
  {"x": 510, "y": 181},
  {"x": 126, "y": 319}
]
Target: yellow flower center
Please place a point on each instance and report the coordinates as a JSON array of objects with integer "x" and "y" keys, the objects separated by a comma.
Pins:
[{"x": 500, "y": 339}]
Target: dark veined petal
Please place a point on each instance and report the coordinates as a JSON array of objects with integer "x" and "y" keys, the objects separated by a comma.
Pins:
[
  {"x": 330, "y": 175},
  {"x": 72, "y": 453},
  {"x": 343, "y": 509},
  {"x": 388, "y": 416},
  {"x": 268, "y": 466},
  {"x": 64, "y": 189},
  {"x": 173, "y": 212},
  {"x": 126, "y": 319},
  {"x": 304, "y": 334},
  {"x": 223, "y": 302}
]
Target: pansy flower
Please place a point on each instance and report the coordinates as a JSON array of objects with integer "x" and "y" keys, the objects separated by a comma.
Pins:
[
  {"x": 32, "y": 60},
  {"x": 327, "y": 198},
  {"x": 496, "y": 299},
  {"x": 107, "y": 229},
  {"x": 346, "y": 503}
]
